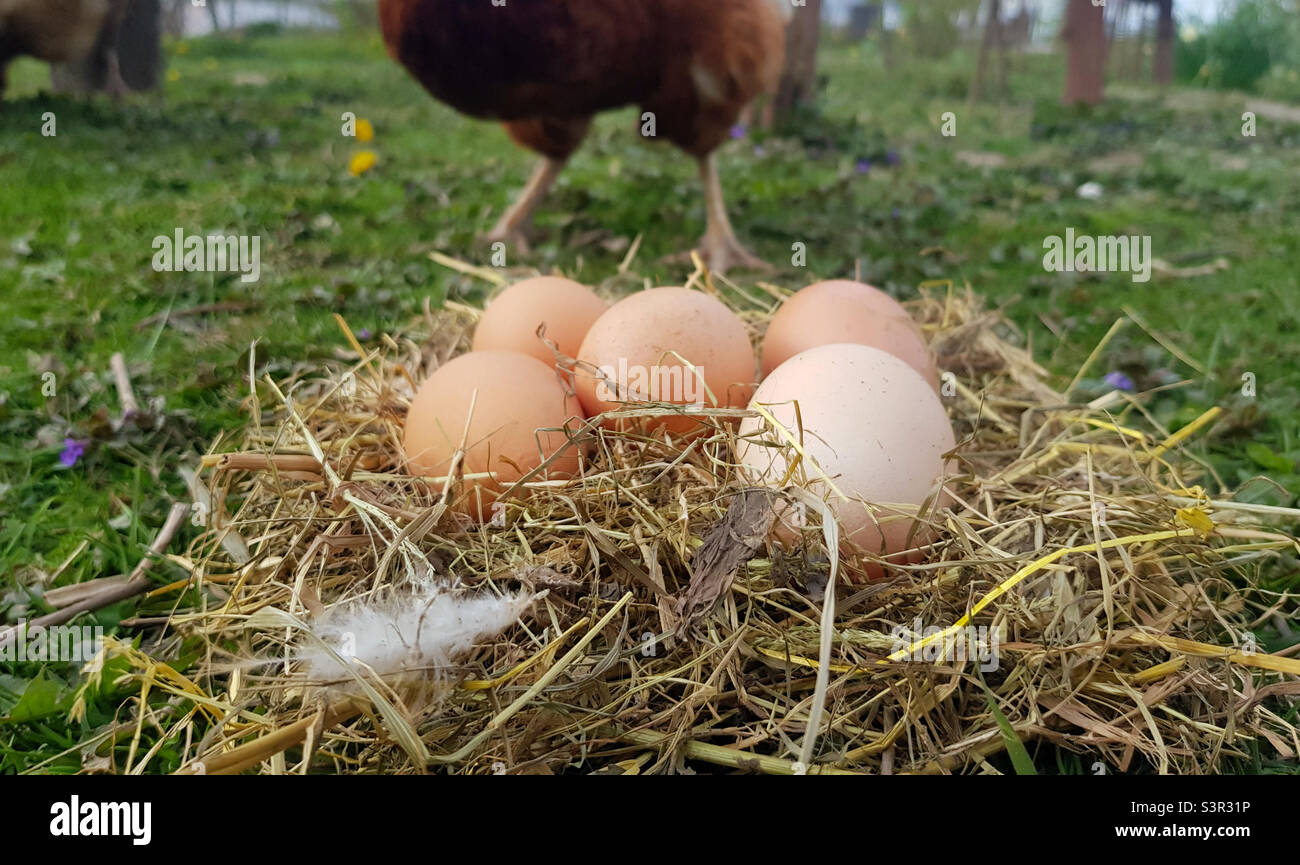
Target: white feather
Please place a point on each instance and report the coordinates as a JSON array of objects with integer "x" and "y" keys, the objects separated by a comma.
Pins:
[{"x": 424, "y": 630}]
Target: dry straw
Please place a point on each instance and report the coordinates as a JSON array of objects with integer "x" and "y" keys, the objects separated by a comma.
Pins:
[{"x": 1119, "y": 597}]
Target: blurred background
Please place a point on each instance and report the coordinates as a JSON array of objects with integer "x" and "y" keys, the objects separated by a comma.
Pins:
[
  {"x": 1218, "y": 43},
  {"x": 1222, "y": 31}
]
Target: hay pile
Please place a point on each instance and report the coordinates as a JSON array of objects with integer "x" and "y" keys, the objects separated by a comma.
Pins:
[{"x": 1116, "y": 597}]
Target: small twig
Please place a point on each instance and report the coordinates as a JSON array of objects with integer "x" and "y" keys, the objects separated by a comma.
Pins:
[
  {"x": 144, "y": 621},
  {"x": 887, "y": 758},
  {"x": 245, "y": 756},
  {"x": 67, "y": 563},
  {"x": 67, "y": 595},
  {"x": 137, "y": 583},
  {"x": 626, "y": 264},
  {"x": 125, "y": 393},
  {"x": 244, "y": 462},
  {"x": 231, "y": 540},
  {"x": 468, "y": 269}
]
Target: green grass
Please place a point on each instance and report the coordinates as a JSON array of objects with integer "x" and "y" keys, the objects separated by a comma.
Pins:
[{"x": 247, "y": 140}]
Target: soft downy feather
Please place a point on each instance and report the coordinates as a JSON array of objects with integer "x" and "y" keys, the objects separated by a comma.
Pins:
[{"x": 420, "y": 631}]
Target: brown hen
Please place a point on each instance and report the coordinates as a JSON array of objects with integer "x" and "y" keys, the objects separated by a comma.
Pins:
[{"x": 545, "y": 67}]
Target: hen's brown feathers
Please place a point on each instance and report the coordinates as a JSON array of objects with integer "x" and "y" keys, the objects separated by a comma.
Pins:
[
  {"x": 694, "y": 64},
  {"x": 52, "y": 30}
]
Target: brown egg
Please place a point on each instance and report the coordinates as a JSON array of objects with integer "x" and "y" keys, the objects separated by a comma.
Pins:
[
  {"x": 877, "y": 431},
  {"x": 567, "y": 308},
  {"x": 639, "y": 346},
  {"x": 841, "y": 311},
  {"x": 517, "y": 395}
]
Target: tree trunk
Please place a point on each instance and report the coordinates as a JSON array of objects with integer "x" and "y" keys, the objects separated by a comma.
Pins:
[
  {"x": 992, "y": 40},
  {"x": 173, "y": 22},
  {"x": 864, "y": 19},
  {"x": 799, "y": 80},
  {"x": 1164, "y": 71},
  {"x": 139, "y": 51},
  {"x": 1085, "y": 39},
  {"x": 1139, "y": 56},
  {"x": 140, "y": 45},
  {"x": 1004, "y": 63}
]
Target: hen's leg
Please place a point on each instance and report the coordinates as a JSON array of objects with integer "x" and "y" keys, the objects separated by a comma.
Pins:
[
  {"x": 513, "y": 225},
  {"x": 720, "y": 248},
  {"x": 555, "y": 138},
  {"x": 114, "y": 84}
]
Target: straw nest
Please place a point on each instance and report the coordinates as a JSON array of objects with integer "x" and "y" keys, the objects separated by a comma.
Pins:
[{"x": 1082, "y": 592}]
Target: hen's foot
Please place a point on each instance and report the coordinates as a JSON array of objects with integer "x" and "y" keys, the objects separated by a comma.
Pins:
[
  {"x": 515, "y": 239},
  {"x": 114, "y": 85},
  {"x": 725, "y": 253}
]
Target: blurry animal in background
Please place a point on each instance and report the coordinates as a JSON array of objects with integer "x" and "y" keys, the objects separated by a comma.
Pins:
[
  {"x": 767, "y": 99},
  {"x": 545, "y": 67},
  {"x": 61, "y": 31}
]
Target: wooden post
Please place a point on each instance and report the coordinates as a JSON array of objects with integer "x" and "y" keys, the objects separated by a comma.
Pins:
[
  {"x": 140, "y": 45},
  {"x": 992, "y": 41},
  {"x": 1085, "y": 38},
  {"x": 1164, "y": 69},
  {"x": 864, "y": 20},
  {"x": 1139, "y": 56},
  {"x": 799, "y": 80}
]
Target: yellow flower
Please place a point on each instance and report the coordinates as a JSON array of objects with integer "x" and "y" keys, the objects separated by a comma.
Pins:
[
  {"x": 362, "y": 162},
  {"x": 182, "y": 47},
  {"x": 173, "y": 75},
  {"x": 365, "y": 131},
  {"x": 209, "y": 64}
]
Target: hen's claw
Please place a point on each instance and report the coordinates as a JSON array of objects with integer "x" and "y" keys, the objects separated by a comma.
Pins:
[
  {"x": 724, "y": 253},
  {"x": 515, "y": 239},
  {"x": 114, "y": 84}
]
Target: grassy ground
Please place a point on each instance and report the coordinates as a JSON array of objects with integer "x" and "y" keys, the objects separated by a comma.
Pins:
[{"x": 247, "y": 141}]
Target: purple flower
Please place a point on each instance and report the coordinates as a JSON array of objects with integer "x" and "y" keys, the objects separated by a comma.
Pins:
[
  {"x": 739, "y": 131},
  {"x": 1118, "y": 380},
  {"x": 864, "y": 166},
  {"x": 892, "y": 158},
  {"x": 759, "y": 151},
  {"x": 364, "y": 333},
  {"x": 72, "y": 451}
]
